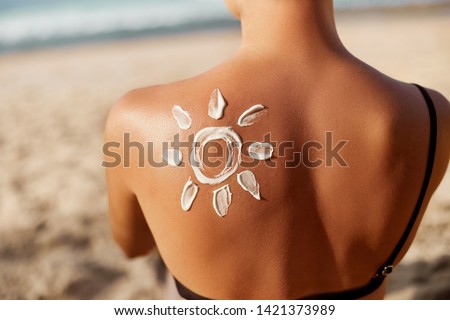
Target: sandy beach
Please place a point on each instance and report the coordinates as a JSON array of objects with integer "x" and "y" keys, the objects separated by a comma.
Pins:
[{"x": 55, "y": 241}]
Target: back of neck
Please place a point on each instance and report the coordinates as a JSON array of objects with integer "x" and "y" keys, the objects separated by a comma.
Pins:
[{"x": 304, "y": 28}]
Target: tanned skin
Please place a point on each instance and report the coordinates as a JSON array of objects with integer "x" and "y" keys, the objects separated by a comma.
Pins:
[{"x": 316, "y": 230}]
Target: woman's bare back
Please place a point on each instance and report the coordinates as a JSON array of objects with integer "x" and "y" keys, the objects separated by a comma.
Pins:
[
  {"x": 319, "y": 226},
  {"x": 337, "y": 195}
]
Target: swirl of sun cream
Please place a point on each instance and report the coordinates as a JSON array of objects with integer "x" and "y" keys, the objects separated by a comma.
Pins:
[{"x": 246, "y": 179}]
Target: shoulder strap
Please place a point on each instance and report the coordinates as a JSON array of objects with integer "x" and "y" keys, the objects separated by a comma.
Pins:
[{"x": 388, "y": 267}]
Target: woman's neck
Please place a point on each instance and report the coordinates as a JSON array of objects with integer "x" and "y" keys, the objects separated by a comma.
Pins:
[{"x": 301, "y": 28}]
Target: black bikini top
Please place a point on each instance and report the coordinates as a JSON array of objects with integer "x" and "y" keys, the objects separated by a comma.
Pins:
[{"x": 377, "y": 280}]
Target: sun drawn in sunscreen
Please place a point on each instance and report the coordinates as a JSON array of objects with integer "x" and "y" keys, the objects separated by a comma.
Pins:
[{"x": 259, "y": 151}]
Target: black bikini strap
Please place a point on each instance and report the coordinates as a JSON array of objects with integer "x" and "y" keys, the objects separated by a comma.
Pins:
[
  {"x": 187, "y": 293},
  {"x": 351, "y": 294},
  {"x": 388, "y": 268}
]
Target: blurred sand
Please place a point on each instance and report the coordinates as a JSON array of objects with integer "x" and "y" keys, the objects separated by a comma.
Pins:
[{"x": 54, "y": 235}]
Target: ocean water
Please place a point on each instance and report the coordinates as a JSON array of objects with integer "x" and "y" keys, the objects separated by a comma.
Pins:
[{"x": 29, "y": 24}]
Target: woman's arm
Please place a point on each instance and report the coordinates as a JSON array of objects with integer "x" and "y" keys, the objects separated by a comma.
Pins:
[{"x": 129, "y": 227}]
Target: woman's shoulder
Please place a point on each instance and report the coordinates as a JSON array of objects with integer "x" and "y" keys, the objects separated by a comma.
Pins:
[
  {"x": 412, "y": 121},
  {"x": 398, "y": 99},
  {"x": 145, "y": 105}
]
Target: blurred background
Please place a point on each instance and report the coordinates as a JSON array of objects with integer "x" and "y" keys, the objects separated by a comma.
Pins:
[{"x": 62, "y": 66}]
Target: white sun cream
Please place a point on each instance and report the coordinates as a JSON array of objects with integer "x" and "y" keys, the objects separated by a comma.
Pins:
[
  {"x": 234, "y": 144},
  {"x": 182, "y": 117},
  {"x": 252, "y": 115},
  {"x": 260, "y": 151},
  {"x": 189, "y": 194},
  {"x": 248, "y": 182},
  {"x": 222, "y": 200},
  {"x": 217, "y": 105},
  {"x": 174, "y": 157}
]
